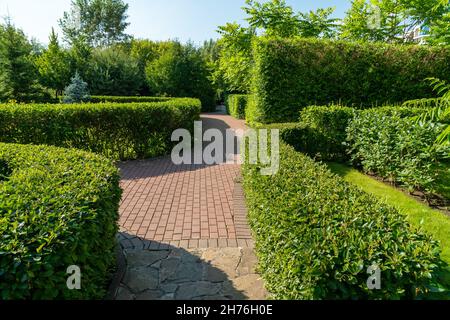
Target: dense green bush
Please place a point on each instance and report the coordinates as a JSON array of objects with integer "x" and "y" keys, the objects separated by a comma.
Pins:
[
  {"x": 181, "y": 71},
  {"x": 330, "y": 122},
  {"x": 113, "y": 72},
  {"x": 119, "y": 99},
  {"x": 58, "y": 208},
  {"x": 236, "y": 105},
  {"x": 304, "y": 139},
  {"x": 290, "y": 74},
  {"x": 395, "y": 147},
  {"x": 316, "y": 236},
  {"x": 118, "y": 131}
]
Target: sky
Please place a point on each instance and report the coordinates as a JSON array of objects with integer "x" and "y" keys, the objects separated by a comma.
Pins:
[{"x": 185, "y": 20}]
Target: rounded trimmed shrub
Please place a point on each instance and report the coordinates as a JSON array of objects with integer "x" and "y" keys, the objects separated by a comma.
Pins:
[{"x": 58, "y": 208}]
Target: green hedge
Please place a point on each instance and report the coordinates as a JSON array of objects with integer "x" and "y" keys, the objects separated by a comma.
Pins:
[
  {"x": 118, "y": 131},
  {"x": 395, "y": 147},
  {"x": 330, "y": 122},
  {"x": 316, "y": 235},
  {"x": 306, "y": 139},
  {"x": 290, "y": 74},
  {"x": 137, "y": 99},
  {"x": 58, "y": 208},
  {"x": 236, "y": 105}
]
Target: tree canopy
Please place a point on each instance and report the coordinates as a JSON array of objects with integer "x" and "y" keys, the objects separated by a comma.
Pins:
[{"x": 98, "y": 22}]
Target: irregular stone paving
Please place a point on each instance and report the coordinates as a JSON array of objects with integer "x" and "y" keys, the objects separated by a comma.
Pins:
[{"x": 191, "y": 274}]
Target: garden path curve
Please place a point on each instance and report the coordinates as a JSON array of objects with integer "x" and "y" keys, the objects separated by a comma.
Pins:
[{"x": 184, "y": 230}]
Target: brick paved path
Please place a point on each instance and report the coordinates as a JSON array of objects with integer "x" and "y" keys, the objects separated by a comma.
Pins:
[
  {"x": 184, "y": 232},
  {"x": 189, "y": 206}
]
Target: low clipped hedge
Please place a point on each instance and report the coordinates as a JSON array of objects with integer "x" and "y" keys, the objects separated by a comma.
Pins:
[
  {"x": 316, "y": 235},
  {"x": 131, "y": 99},
  {"x": 236, "y": 105},
  {"x": 330, "y": 124},
  {"x": 117, "y": 130},
  {"x": 58, "y": 208},
  {"x": 396, "y": 147},
  {"x": 291, "y": 74}
]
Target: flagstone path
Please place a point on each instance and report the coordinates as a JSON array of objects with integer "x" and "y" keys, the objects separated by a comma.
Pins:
[{"x": 184, "y": 231}]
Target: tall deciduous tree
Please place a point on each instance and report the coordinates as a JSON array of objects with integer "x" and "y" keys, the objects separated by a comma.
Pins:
[
  {"x": 54, "y": 66},
  {"x": 235, "y": 59},
  {"x": 18, "y": 75},
  {"x": 375, "y": 20},
  {"x": 99, "y": 22},
  {"x": 274, "y": 18},
  {"x": 318, "y": 24}
]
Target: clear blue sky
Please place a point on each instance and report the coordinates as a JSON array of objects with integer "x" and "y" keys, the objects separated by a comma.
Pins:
[{"x": 195, "y": 20}]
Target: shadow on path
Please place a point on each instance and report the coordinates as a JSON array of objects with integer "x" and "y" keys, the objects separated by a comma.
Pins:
[{"x": 170, "y": 273}]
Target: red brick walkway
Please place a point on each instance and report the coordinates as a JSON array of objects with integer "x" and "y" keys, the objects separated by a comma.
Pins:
[{"x": 189, "y": 206}]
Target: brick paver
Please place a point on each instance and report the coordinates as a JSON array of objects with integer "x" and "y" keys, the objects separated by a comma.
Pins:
[{"x": 188, "y": 206}]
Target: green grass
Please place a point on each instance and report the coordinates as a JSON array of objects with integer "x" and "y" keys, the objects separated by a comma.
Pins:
[{"x": 435, "y": 222}]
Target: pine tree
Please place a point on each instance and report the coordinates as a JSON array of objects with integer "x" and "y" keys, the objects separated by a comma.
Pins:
[
  {"x": 18, "y": 75},
  {"x": 54, "y": 66},
  {"x": 77, "y": 91}
]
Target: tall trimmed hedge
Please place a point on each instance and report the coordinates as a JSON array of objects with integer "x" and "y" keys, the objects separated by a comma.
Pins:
[
  {"x": 236, "y": 105},
  {"x": 116, "y": 130},
  {"x": 290, "y": 74},
  {"x": 316, "y": 236},
  {"x": 58, "y": 208}
]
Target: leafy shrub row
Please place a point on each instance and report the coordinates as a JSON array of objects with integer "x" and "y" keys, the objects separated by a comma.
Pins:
[
  {"x": 58, "y": 208},
  {"x": 395, "y": 147},
  {"x": 290, "y": 74},
  {"x": 136, "y": 99},
  {"x": 322, "y": 130},
  {"x": 118, "y": 131},
  {"x": 317, "y": 235},
  {"x": 236, "y": 105}
]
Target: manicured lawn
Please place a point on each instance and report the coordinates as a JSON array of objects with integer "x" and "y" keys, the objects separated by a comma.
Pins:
[{"x": 432, "y": 221}]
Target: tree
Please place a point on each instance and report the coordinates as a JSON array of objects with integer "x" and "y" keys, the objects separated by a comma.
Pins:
[
  {"x": 113, "y": 72},
  {"x": 77, "y": 91},
  {"x": 439, "y": 30},
  {"x": 275, "y": 18},
  {"x": 99, "y": 22},
  {"x": 80, "y": 55},
  {"x": 375, "y": 20},
  {"x": 318, "y": 24},
  {"x": 182, "y": 72},
  {"x": 235, "y": 59},
  {"x": 18, "y": 75},
  {"x": 54, "y": 66}
]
